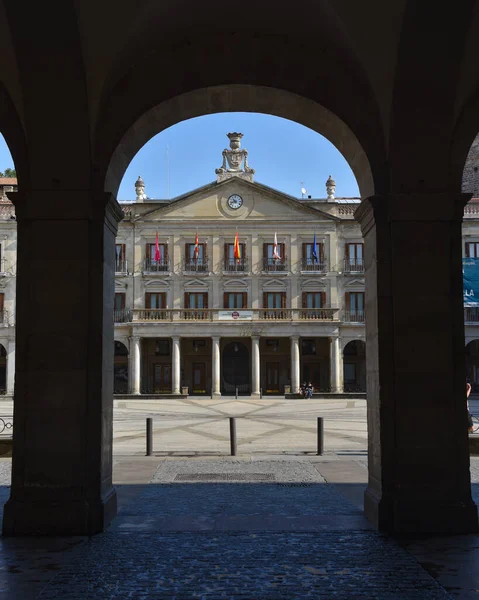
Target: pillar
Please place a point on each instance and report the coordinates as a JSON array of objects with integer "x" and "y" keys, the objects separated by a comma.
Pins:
[
  {"x": 417, "y": 430},
  {"x": 216, "y": 367},
  {"x": 11, "y": 367},
  {"x": 63, "y": 409},
  {"x": 176, "y": 365},
  {"x": 336, "y": 366},
  {"x": 295, "y": 365},
  {"x": 255, "y": 366},
  {"x": 135, "y": 364}
]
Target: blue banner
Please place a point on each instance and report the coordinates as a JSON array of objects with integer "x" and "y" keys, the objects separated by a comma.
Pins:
[{"x": 470, "y": 276}]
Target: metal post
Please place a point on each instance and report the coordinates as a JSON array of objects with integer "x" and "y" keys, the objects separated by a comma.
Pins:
[
  {"x": 149, "y": 436},
  {"x": 320, "y": 436},
  {"x": 260, "y": 393},
  {"x": 233, "y": 435},
  {"x": 236, "y": 392}
]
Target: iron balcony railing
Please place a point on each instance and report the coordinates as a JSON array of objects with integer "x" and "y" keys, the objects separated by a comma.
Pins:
[
  {"x": 235, "y": 265},
  {"x": 155, "y": 266},
  {"x": 212, "y": 314},
  {"x": 121, "y": 266},
  {"x": 196, "y": 266},
  {"x": 314, "y": 266},
  {"x": 471, "y": 314},
  {"x": 275, "y": 265},
  {"x": 354, "y": 316},
  {"x": 353, "y": 265},
  {"x": 122, "y": 315}
]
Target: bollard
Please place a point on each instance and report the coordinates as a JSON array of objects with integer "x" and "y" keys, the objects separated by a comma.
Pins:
[
  {"x": 320, "y": 436},
  {"x": 233, "y": 435},
  {"x": 236, "y": 392},
  {"x": 149, "y": 436},
  {"x": 260, "y": 393}
]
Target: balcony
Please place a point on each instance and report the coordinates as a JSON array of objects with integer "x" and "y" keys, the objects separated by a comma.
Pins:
[
  {"x": 121, "y": 267},
  {"x": 354, "y": 316},
  {"x": 471, "y": 314},
  {"x": 155, "y": 266},
  {"x": 212, "y": 314},
  {"x": 196, "y": 266},
  {"x": 122, "y": 315},
  {"x": 314, "y": 266},
  {"x": 233, "y": 265},
  {"x": 353, "y": 265},
  {"x": 275, "y": 265}
]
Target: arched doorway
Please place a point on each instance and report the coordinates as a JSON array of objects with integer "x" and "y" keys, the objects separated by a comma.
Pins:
[
  {"x": 235, "y": 369},
  {"x": 120, "y": 369},
  {"x": 354, "y": 366},
  {"x": 472, "y": 364}
]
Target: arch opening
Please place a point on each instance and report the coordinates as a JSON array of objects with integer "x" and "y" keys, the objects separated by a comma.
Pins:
[{"x": 354, "y": 366}]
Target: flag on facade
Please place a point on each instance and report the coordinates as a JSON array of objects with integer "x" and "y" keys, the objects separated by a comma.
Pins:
[
  {"x": 237, "y": 249},
  {"x": 275, "y": 247},
  {"x": 314, "y": 253},
  {"x": 196, "y": 249},
  {"x": 157, "y": 248}
]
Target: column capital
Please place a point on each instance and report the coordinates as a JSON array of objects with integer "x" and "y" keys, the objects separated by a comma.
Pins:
[
  {"x": 176, "y": 338},
  {"x": 256, "y": 338},
  {"x": 294, "y": 338},
  {"x": 411, "y": 207},
  {"x": 216, "y": 337}
]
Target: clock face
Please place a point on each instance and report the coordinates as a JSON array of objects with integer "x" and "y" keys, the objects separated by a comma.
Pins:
[{"x": 235, "y": 201}]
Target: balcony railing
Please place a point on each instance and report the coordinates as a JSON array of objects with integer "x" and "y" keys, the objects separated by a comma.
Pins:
[
  {"x": 155, "y": 266},
  {"x": 314, "y": 266},
  {"x": 275, "y": 265},
  {"x": 353, "y": 265},
  {"x": 196, "y": 266},
  {"x": 212, "y": 314},
  {"x": 471, "y": 314},
  {"x": 121, "y": 266},
  {"x": 122, "y": 315},
  {"x": 354, "y": 316},
  {"x": 233, "y": 265}
]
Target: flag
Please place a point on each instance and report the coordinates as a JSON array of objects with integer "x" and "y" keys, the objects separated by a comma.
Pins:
[
  {"x": 196, "y": 249},
  {"x": 314, "y": 252},
  {"x": 275, "y": 247},
  {"x": 157, "y": 249},
  {"x": 237, "y": 249}
]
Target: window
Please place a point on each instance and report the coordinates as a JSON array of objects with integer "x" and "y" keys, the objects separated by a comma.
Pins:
[
  {"x": 274, "y": 300},
  {"x": 196, "y": 300},
  {"x": 120, "y": 262},
  {"x": 2, "y": 311},
  {"x": 155, "y": 300},
  {"x": 156, "y": 265},
  {"x": 235, "y": 299},
  {"x": 314, "y": 299},
  {"x": 472, "y": 249},
  {"x": 273, "y": 264},
  {"x": 308, "y": 347},
  {"x": 309, "y": 262},
  {"x": 232, "y": 263},
  {"x": 354, "y": 306},
  {"x": 349, "y": 374},
  {"x": 353, "y": 257},
  {"x": 190, "y": 252},
  {"x": 162, "y": 348},
  {"x": 119, "y": 301}
]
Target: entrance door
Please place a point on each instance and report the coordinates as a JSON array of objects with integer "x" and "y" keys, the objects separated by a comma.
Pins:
[
  {"x": 199, "y": 378},
  {"x": 162, "y": 379},
  {"x": 272, "y": 378},
  {"x": 311, "y": 373}
]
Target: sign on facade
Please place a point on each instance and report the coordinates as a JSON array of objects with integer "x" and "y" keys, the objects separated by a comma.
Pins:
[
  {"x": 236, "y": 315},
  {"x": 470, "y": 276}
]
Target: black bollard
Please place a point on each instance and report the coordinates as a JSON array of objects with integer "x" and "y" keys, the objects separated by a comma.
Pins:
[
  {"x": 149, "y": 436},
  {"x": 236, "y": 392},
  {"x": 320, "y": 436},
  {"x": 233, "y": 435}
]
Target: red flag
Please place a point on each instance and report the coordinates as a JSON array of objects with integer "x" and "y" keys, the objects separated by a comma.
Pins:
[
  {"x": 237, "y": 249},
  {"x": 196, "y": 250},
  {"x": 157, "y": 249}
]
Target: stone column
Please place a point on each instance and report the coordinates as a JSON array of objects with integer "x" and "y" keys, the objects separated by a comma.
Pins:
[
  {"x": 336, "y": 365},
  {"x": 135, "y": 361},
  {"x": 11, "y": 367},
  {"x": 255, "y": 366},
  {"x": 417, "y": 429},
  {"x": 216, "y": 367},
  {"x": 295, "y": 365},
  {"x": 176, "y": 365},
  {"x": 63, "y": 435}
]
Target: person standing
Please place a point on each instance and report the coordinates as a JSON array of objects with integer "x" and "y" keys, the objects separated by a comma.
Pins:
[{"x": 470, "y": 426}]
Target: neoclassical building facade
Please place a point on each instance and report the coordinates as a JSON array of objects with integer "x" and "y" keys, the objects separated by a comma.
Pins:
[{"x": 192, "y": 317}]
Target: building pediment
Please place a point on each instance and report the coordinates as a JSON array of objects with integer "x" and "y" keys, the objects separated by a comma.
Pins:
[
  {"x": 235, "y": 283},
  {"x": 313, "y": 283},
  {"x": 355, "y": 282},
  {"x": 158, "y": 283},
  {"x": 196, "y": 283},
  {"x": 274, "y": 285}
]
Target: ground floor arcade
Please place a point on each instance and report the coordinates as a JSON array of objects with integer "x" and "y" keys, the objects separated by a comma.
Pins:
[{"x": 214, "y": 366}]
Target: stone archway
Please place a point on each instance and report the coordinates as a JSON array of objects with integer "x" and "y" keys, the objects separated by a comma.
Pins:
[
  {"x": 120, "y": 369},
  {"x": 354, "y": 366},
  {"x": 235, "y": 369}
]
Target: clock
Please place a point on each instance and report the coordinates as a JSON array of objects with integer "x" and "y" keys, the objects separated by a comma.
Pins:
[{"x": 235, "y": 201}]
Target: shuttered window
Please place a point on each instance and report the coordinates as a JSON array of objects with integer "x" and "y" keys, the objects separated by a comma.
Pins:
[
  {"x": 235, "y": 300},
  {"x": 314, "y": 299},
  {"x": 472, "y": 249},
  {"x": 155, "y": 300},
  {"x": 274, "y": 300},
  {"x": 196, "y": 300}
]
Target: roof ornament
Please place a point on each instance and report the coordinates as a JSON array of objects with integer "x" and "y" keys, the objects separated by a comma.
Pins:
[
  {"x": 330, "y": 188},
  {"x": 140, "y": 189},
  {"x": 235, "y": 160}
]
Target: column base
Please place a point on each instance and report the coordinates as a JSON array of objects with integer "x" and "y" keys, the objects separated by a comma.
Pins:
[
  {"x": 54, "y": 512},
  {"x": 255, "y": 395},
  {"x": 216, "y": 395},
  {"x": 421, "y": 517}
]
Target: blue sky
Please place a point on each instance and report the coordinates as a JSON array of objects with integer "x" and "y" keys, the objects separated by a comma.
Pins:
[{"x": 283, "y": 153}]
